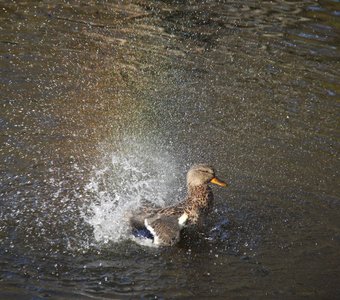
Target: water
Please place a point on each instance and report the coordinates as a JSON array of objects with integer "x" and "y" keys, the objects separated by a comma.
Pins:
[
  {"x": 105, "y": 105},
  {"x": 136, "y": 174}
]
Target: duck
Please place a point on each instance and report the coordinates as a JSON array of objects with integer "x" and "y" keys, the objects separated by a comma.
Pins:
[{"x": 164, "y": 225}]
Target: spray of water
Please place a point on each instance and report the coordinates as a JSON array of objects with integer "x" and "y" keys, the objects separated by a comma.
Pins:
[{"x": 136, "y": 173}]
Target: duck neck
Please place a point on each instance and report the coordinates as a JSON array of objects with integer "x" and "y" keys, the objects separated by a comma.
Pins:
[
  {"x": 199, "y": 195},
  {"x": 198, "y": 203}
]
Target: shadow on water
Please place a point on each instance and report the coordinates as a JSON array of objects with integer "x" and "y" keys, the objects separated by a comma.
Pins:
[{"x": 105, "y": 105}]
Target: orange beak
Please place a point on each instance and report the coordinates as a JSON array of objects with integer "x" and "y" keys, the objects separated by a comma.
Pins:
[{"x": 215, "y": 180}]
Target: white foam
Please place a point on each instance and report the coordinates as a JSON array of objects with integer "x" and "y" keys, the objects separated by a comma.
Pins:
[
  {"x": 144, "y": 242},
  {"x": 139, "y": 172}
]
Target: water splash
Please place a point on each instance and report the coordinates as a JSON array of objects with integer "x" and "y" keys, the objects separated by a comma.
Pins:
[{"x": 140, "y": 172}]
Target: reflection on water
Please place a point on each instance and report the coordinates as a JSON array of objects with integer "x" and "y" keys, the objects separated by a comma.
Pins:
[{"x": 104, "y": 105}]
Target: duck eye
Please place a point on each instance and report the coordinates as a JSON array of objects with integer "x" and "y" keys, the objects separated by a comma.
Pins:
[{"x": 207, "y": 171}]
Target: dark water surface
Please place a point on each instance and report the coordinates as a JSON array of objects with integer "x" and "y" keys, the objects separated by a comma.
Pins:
[{"x": 106, "y": 104}]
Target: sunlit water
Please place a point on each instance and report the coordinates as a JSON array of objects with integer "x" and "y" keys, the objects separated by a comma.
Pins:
[{"x": 107, "y": 105}]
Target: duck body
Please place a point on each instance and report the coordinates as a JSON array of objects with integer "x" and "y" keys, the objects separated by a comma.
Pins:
[{"x": 165, "y": 224}]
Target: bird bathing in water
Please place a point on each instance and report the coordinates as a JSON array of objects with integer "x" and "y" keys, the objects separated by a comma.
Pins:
[{"x": 163, "y": 225}]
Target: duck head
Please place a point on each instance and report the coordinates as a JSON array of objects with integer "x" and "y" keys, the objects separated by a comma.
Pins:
[{"x": 203, "y": 174}]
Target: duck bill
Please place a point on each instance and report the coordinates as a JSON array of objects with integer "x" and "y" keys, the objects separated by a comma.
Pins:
[{"x": 215, "y": 180}]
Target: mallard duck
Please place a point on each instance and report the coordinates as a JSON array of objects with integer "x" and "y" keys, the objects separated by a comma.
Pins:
[{"x": 164, "y": 225}]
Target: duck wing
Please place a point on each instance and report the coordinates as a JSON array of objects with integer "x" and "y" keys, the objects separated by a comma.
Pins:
[
  {"x": 165, "y": 229},
  {"x": 154, "y": 212},
  {"x": 137, "y": 217}
]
